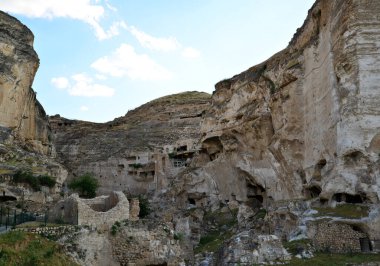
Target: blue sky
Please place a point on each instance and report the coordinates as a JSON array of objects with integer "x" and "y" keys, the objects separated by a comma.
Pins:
[{"x": 101, "y": 58}]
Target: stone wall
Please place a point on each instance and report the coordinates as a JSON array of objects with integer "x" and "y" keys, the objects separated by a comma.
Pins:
[
  {"x": 337, "y": 237},
  {"x": 134, "y": 209},
  {"x": 50, "y": 231},
  {"x": 147, "y": 242},
  {"x": 89, "y": 216},
  {"x": 101, "y": 212}
]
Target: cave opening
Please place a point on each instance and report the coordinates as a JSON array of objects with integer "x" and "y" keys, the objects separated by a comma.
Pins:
[
  {"x": 213, "y": 146},
  {"x": 191, "y": 201},
  {"x": 5, "y": 198},
  {"x": 313, "y": 192},
  {"x": 348, "y": 198},
  {"x": 182, "y": 148},
  {"x": 255, "y": 195}
]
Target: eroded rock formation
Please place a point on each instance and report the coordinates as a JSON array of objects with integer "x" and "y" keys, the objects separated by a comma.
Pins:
[
  {"x": 304, "y": 123},
  {"x": 138, "y": 152},
  {"x": 21, "y": 115},
  {"x": 287, "y": 150},
  {"x": 25, "y": 136}
]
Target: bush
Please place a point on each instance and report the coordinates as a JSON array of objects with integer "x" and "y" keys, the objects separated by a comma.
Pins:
[
  {"x": 86, "y": 185},
  {"x": 46, "y": 180},
  {"x": 34, "y": 181},
  {"x": 144, "y": 206},
  {"x": 179, "y": 236}
]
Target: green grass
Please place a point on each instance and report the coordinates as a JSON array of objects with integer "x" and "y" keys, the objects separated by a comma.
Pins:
[
  {"x": 349, "y": 211},
  {"x": 34, "y": 224},
  {"x": 212, "y": 242},
  {"x": 323, "y": 259},
  {"x": 6, "y": 171},
  {"x": 294, "y": 246},
  {"x": 19, "y": 248},
  {"x": 224, "y": 223}
]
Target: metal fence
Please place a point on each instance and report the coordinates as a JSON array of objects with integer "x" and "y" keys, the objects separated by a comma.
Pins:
[{"x": 9, "y": 218}]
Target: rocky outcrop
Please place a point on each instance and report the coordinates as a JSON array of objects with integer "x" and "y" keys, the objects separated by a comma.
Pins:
[
  {"x": 22, "y": 118},
  {"x": 25, "y": 136},
  {"x": 305, "y": 123},
  {"x": 138, "y": 152}
]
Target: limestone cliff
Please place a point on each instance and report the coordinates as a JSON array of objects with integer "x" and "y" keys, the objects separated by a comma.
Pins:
[
  {"x": 19, "y": 109},
  {"x": 294, "y": 136},
  {"x": 138, "y": 152},
  {"x": 306, "y": 122},
  {"x": 25, "y": 142}
]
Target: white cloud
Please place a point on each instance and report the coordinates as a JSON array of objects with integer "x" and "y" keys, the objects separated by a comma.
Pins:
[
  {"x": 100, "y": 77},
  {"x": 189, "y": 52},
  {"x": 162, "y": 44},
  {"x": 84, "y": 108},
  {"x": 60, "y": 82},
  {"x": 114, "y": 30},
  {"x": 110, "y": 7},
  {"x": 126, "y": 62},
  {"x": 85, "y": 86},
  {"x": 153, "y": 43},
  {"x": 83, "y": 10}
]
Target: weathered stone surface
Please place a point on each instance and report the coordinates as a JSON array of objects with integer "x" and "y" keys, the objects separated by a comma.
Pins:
[
  {"x": 100, "y": 212},
  {"x": 25, "y": 136},
  {"x": 147, "y": 242},
  {"x": 308, "y": 116},
  {"x": 19, "y": 109},
  {"x": 132, "y": 152},
  {"x": 247, "y": 248}
]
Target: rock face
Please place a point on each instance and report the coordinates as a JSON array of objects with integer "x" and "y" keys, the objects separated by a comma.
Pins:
[
  {"x": 305, "y": 123},
  {"x": 25, "y": 136},
  {"x": 138, "y": 152},
  {"x": 294, "y": 136},
  {"x": 21, "y": 115}
]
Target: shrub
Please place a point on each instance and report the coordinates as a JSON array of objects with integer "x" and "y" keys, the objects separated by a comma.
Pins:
[
  {"x": 34, "y": 181},
  {"x": 46, "y": 180},
  {"x": 179, "y": 236},
  {"x": 86, "y": 185},
  {"x": 144, "y": 206},
  {"x": 114, "y": 230}
]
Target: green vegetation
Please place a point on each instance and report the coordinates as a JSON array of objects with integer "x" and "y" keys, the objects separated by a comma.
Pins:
[
  {"x": 34, "y": 224},
  {"x": 144, "y": 206},
  {"x": 136, "y": 165},
  {"x": 294, "y": 247},
  {"x": 34, "y": 181},
  {"x": 261, "y": 214},
  {"x": 115, "y": 228},
  {"x": 5, "y": 171},
  {"x": 224, "y": 223},
  {"x": 20, "y": 248},
  {"x": 212, "y": 241},
  {"x": 179, "y": 236},
  {"x": 349, "y": 211},
  {"x": 86, "y": 185},
  {"x": 323, "y": 259}
]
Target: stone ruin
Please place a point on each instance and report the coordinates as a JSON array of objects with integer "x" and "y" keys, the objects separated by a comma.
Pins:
[
  {"x": 100, "y": 212},
  {"x": 339, "y": 237}
]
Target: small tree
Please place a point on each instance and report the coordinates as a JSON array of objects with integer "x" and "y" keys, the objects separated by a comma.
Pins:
[
  {"x": 86, "y": 185},
  {"x": 144, "y": 206}
]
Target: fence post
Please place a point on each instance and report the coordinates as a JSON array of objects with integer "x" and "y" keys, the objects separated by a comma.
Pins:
[
  {"x": 14, "y": 219},
  {"x": 7, "y": 220},
  {"x": 1, "y": 215}
]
